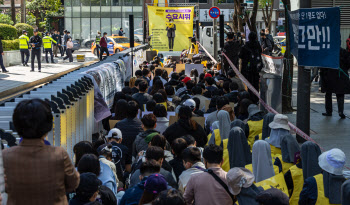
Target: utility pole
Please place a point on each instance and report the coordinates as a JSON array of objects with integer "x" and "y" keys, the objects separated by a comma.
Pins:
[
  {"x": 215, "y": 34},
  {"x": 23, "y": 11},
  {"x": 303, "y": 92}
]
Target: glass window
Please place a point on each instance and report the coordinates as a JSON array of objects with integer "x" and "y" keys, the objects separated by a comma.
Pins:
[
  {"x": 75, "y": 2},
  {"x": 230, "y": 1},
  {"x": 128, "y": 2},
  {"x": 95, "y": 11},
  {"x": 138, "y": 3},
  {"x": 138, "y": 29},
  {"x": 115, "y": 3},
  {"x": 67, "y": 11},
  {"x": 125, "y": 26},
  {"x": 95, "y": 26},
  {"x": 76, "y": 11},
  {"x": 105, "y": 11},
  {"x": 116, "y": 12},
  {"x": 95, "y": 3},
  {"x": 204, "y": 1},
  {"x": 106, "y": 26},
  {"x": 137, "y": 11},
  {"x": 85, "y": 8},
  {"x": 116, "y": 22},
  {"x": 67, "y": 24},
  {"x": 85, "y": 30},
  {"x": 75, "y": 33},
  {"x": 109, "y": 40},
  {"x": 105, "y": 2},
  {"x": 126, "y": 11},
  {"x": 67, "y": 3}
]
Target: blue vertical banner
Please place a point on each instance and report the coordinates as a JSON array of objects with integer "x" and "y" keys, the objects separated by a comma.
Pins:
[{"x": 315, "y": 36}]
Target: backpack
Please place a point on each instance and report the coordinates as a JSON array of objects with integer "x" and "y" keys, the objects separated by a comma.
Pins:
[{"x": 255, "y": 63}]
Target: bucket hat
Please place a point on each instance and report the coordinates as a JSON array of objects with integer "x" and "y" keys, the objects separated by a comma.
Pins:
[
  {"x": 279, "y": 122},
  {"x": 332, "y": 161},
  {"x": 237, "y": 178}
]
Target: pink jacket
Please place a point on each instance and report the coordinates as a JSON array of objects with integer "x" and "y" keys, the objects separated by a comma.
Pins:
[{"x": 69, "y": 44}]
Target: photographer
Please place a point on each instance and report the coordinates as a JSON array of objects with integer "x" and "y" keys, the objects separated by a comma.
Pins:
[{"x": 265, "y": 43}]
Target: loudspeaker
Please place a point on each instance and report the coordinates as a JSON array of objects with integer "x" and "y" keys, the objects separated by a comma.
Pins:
[
  {"x": 222, "y": 36},
  {"x": 131, "y": 30}
]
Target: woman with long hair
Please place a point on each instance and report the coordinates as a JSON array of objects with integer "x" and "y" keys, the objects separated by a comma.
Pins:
[
  {"x": 157, "y": 85},
  {"x": 120, "y": 110}
]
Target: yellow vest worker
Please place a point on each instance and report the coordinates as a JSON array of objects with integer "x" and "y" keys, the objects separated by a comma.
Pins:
[
  {"x": 255, "y": 128},
  {"x": 97, "y": 42},
  {"x": 194, "y": 48},
  {"x": 47, "y": 41},
  {"x": 298, "y": 181},
  {"x": 24, "y": 47}
]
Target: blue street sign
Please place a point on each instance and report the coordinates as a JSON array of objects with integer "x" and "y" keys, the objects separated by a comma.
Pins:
[{"x": 214, "y": 12}]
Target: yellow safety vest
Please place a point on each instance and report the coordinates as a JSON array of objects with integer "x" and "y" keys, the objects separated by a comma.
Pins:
[
  {"x": 23, "y": 42},
  {"x": 194, "y": 49},
  {"x": 321, "y": 198},
  {"x": 275, "y": 150},
  {"x": 217, "y": 137},
  {"x": 255, "y": 128},
  {"x": 47, "y": 42},
  {"x": 98, "y": 39},
  {"x": 276, "y": 181},
  {"x": 285, "y": 165},
  {"x": 298, "y": 182},
  {"x": 250, "y": 168},
  {"x": 226, "y": 164}
]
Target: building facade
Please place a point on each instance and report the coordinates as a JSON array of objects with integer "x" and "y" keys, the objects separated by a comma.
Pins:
[{"x": 84, "y": 18}]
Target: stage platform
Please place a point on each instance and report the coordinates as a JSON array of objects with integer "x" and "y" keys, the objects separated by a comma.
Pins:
[{"x": 19, "y": 78}]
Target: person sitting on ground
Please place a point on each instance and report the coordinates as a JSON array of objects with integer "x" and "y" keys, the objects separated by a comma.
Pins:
[
  {"x": 87, "y": 190},
  {"x": 159, "y": 99},
  {"x": 170, "y": 105},
  {"x": 177, "y": 146},
  {"x": 157, "y": 85},
  {"x": 279, "y": 127},
  {"x": 138, "y": 74},
  {"x": 203, "y": 188},
  {"x": 127, "y": 90},
  {"x": 37, "y": 173},
  {"x": 149, "y": 123},
  {"x": 105, "y": 156},
  {"x": 134, "y": 194},
  {"x": 233, "y": 92},
  {"x": 154, "y": 184},
  {"x": 160, "y": 141},
  {"x": 121, "y": 156},
  {"x": 183, "y": 88},
  {"x": 170, "y": 91},
  {"x": 232, "y": 76},
  {"x": 90, "y": 163},
  {"x": 142, "y": 97},
  {"x": 223, "y": 131},
  {"x": 150, "y": 105},
  {"x": 197, "y": 93},
  {"x": 241, "y": 184},
  {"x": 272, "y": 196},
  {"x": 191, "y": 142},
  {"x": 130, "y": 126},
  {"x": 304, "y": 168},
  {"x": 147, "y": 75},
  {"x": 157, "y": 154},
  {"x": 185, "y": 125},
  {"x": 253, "y": 129},
  {"x": 325, "y": 187},
  {"x": 189, "y": 85},
  {"x": 220, "y": 103},
  {"x": 81, "y": 148},
  {"x": 268, "y": 118},
  {"x": 210, "y": 84},
  {"x": 191, "y": 157},
  {"x": 174, "y": 81},
  {"x": 289, "y": 147},
  {"x": 158, "y": 72},
  {"x": 345, "y": 188},
  {"x": 162, "y": 120},
  {"x": 120, "y": 111},
  {"x": 136, "y": 88},
  {"x": 197, "y": 111}
]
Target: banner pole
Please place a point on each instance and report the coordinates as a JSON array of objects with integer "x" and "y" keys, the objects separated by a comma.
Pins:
[
  {"x": 303, "y": 93},
  {"x": 215, "y": 31}
]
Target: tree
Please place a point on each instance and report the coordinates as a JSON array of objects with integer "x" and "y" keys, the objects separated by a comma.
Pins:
[
  {"x": 41, "y": 8},
  {"x": 238, "y": 16},
  {"x": 267, "y": 10},
  {"x": 6, "y": 19},
  {"x": 250, "y": 17},
  {"x": 13, "y": 11},
  {"x": 287, "y": 83}
]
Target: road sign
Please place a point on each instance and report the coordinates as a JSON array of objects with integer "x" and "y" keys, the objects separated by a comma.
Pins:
[{"x": 214, "y": 12}]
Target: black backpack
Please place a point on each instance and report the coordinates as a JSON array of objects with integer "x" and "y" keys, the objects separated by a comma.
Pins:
[{"x": 255, "y": 63}]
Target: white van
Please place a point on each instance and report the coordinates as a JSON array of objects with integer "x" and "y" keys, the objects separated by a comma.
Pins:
[{"x": 207, "y": 38}]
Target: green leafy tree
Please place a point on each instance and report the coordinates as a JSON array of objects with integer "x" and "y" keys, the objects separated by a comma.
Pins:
[
  {"x": 40, "y": 9},
  {"x": 30, "y": 19},
  {"x": 6, "y": 19},
  {"x": 267, "y": 10}
]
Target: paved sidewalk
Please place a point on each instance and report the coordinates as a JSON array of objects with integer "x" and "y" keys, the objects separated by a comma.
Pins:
[
  {"x": 20, "y": 78},
  {"x": 329, "y": 132}
]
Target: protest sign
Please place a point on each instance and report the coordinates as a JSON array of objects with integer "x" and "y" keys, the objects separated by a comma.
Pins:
[{"x": 273, "y": 65}]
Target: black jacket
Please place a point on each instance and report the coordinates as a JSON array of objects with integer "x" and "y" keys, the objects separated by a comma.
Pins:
[
  {"x": 130, "y": 128},
  {"x": 231, "y": 49},
  {"x": 36, "y": 40},
  {"x": 335, "y": 80},
  {"x": 266, "y": 46},
  {"x": 232, "y": 97},
  {"x": 245, "y": 52},
  {"x": 57, "y": 38},
  {"x": 1, "y": 48},
  {"x": 182, "y": 128}
]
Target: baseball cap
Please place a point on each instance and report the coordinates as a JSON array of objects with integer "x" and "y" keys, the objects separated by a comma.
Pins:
[
  {"x": 24, "y": 31},
  {"x": 89, "y": 183},
  {"x": 115, "y": 133},
  {"x": 155, "y": 184},
  {"x": 208, "y": 75},
  {"x": 190, "y": 103},
  {"x": 185, "y": 80},
  {"x": 104, "y": 148}
]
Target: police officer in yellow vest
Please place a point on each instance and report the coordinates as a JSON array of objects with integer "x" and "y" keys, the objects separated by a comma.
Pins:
[
  {"x": 24, "y": 47},
  {"x": 97, "y": 42},
  {"x": 47, "y": 41},
  {"x": 325, "y": 188}
]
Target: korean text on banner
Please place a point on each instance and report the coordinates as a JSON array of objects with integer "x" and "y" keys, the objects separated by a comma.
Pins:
[
  {"x": 315, "y": 36},
  {"x": 182, "y": 27}
]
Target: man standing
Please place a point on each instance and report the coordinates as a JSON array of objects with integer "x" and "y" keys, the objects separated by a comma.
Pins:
[
  {"x": 97, "y": 42},
  {"x": 56, "y": 37},
  {"x": 65, "y": 38},
  {"x": 35, "y": 42},
  {"x": 103, "y": 44},
  {"x": 60, "y": 43},
  {"x": 269, "y": 36},
  {"x": 47, "y": 41},
  {"x": 1, "y": 61},
  {"x": 171, "y": 28},
  {"x": 121, "y": 32},
  {"x": 265, "y": 44},
  {"x": 231, "y": 49},
  {"x": 24, "y": 47}
]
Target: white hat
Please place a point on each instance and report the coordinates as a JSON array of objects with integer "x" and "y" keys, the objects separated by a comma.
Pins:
[
  {"x": 115, "y": 133},
  {"x": 190, "y": 103},
  {"x": 238, "y": 178},
  {"x": 332, "y": 161},
  {"x": 279, "y": 122}
]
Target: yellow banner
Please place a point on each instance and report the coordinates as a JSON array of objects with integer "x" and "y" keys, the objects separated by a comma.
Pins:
[{"x": 170, "y": 27}]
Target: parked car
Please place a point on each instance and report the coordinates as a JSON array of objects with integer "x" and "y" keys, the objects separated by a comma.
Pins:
[
  {"x": 115, "y": 44},
  {"x": 76, "y": 45}
]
